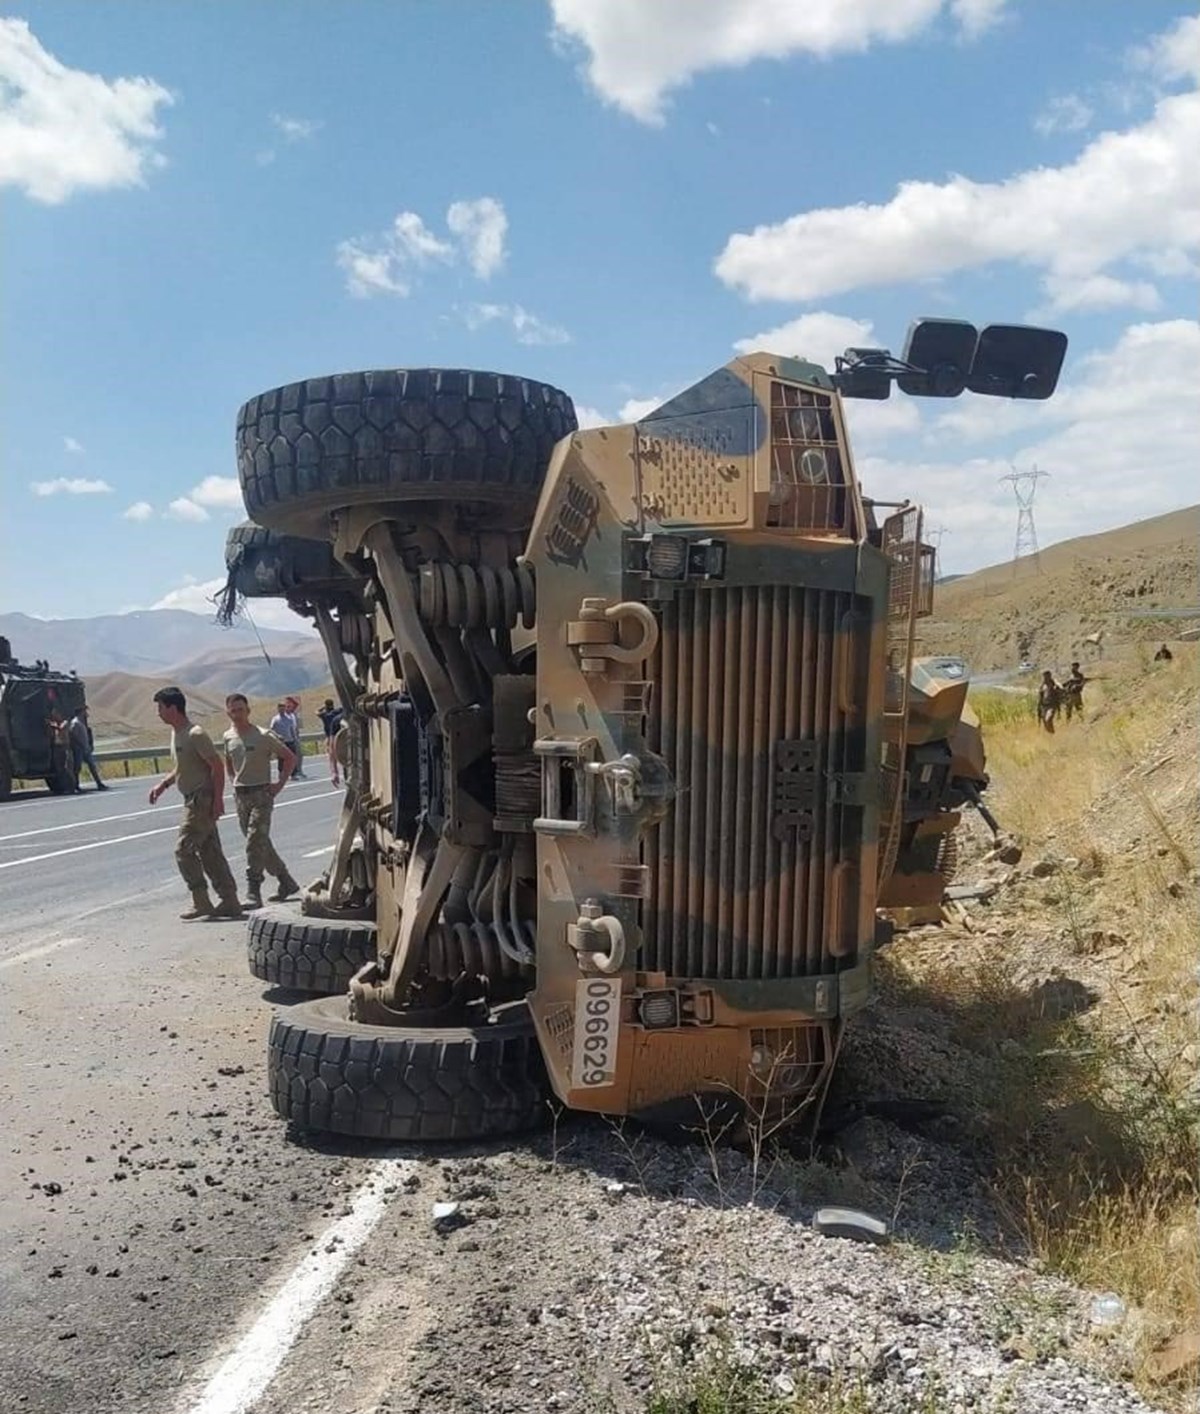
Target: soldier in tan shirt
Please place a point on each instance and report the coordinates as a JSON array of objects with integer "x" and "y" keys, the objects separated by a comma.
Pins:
[
  {"x": 200, "y": 775},
  {"x": 249, "y": 752}
]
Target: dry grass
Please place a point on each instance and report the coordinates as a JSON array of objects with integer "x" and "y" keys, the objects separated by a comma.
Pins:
[{"x": 1087, "y": 1096}]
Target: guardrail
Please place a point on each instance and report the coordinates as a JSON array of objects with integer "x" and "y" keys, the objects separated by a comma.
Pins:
[{"x": 155, "y": 754}]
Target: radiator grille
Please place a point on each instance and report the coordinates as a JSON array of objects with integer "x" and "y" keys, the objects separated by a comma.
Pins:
[{"x": 747, "y": 866}]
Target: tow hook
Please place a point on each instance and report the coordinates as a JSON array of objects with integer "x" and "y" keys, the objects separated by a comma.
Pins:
[{"x": 598, "y": 939}]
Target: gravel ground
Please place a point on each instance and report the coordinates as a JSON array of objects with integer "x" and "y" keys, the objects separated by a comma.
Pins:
[{"x": 601, "y": 1267}]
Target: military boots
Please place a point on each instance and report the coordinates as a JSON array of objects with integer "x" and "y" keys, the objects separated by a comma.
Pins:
[
  {"x": 287, "y": 887},
  {"x": 254, "y": 898},
  {"x": 202, "y": 906}
]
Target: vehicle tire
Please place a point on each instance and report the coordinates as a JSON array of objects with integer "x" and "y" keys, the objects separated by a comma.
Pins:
[
  {"x": 338, "y": 1076},
  {"x": 397, "y": 434},
  {"x": 265, "y": 564},
  {"x": 304, "y": 954}
]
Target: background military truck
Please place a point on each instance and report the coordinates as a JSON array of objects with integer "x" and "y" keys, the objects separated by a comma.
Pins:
[
  {"x": 28, "y": 695},
  {"x": 631, "y": 739}
]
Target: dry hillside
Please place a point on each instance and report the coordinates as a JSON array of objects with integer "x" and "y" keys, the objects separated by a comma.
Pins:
[
  {"x": 1098, "y": 584},
  {"x": 122, "y": 708}
]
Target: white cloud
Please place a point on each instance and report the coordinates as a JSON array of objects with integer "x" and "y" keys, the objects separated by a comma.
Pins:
[
  {"x": 222, "y": 492},
  {"x": 591, "y": 417},
  {"x": 1174, "y": 54},
  {"x": 199, "y": 597},
  {"x": 1065, "y": 114},
  {"x": 415, "y": 242},
  {"x": 70, "y": 486},
  {"x": 528, "y": 328},
  {"x": 370, "y": 272},
  {"x": 63, "y": 130},
  {"x": 72, "y": 446},
  {"x": 1119, "y": 441},
  {"x": 634, "y": 409},
  {"x": 292, "y": 130},
  {"x": 295, "y": 129},
  {"x": 376, "y": 265},
  {"x": 1132, "y": 195},
  {"x": 637, "y": 51},
  {"x": 976, "y": 17},
  {"x": 140, "y": 510},
  {"x": 183, "y": 508},
  {"x": 1068, "y": 292},
  {"x": 872, "y": 424},
  {"x": 481, "y": 227},
  {"x": 818, "y": 337}
]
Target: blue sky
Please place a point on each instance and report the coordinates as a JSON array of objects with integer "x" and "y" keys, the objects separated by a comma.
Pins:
[{"x": 204, "y": 201}]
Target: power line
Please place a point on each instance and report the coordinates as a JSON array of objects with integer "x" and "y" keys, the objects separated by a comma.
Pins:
[{"x": 1024, "y": 485}]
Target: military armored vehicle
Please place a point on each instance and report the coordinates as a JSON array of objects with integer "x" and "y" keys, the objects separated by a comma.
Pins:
[
  {"x": 30, "y": 749},
  {"x": 634, "y": 742}
]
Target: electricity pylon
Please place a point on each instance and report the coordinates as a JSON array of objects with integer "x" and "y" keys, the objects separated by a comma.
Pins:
[{"x": 1024, "y": 485}]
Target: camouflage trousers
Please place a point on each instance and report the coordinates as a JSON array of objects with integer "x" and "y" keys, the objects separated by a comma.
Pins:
[
  {"x": 254, "y": 807},
  {"x": 198, "y": 850}
]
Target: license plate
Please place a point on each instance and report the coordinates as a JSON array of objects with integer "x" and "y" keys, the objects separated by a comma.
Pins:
[{"x": 597, "y": 1030}]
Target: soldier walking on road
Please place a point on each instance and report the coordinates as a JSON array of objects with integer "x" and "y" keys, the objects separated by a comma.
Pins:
[
  {"x": 249, "y": 752},
  {"x": 200, "y": 775},
  {"x": 1049, "y": 700}
]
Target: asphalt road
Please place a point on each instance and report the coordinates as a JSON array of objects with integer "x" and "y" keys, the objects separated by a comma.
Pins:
[{"x": 151, "y": 1201}]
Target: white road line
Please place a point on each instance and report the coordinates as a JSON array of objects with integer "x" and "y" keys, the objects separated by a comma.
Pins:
[
  {"x": 53, "y": 944},
  {"x": 246, "y": 1373},
  {"x": 316, "y": 853},
  {"x": 106, "y": 820},
  {"x": 141, "y": 835}
]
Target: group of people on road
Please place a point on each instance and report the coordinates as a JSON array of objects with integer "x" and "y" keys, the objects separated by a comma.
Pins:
[
  {"x": 201, "y": 771},
  {"x": 75, "y": 741}
]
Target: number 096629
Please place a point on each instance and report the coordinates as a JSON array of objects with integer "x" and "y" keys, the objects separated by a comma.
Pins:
[{"x": 597, "y": 1031}]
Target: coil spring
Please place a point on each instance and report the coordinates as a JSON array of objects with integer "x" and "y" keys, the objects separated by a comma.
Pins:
[
  {"x": 468, "y": 596},
  {"x": 454, "y": 948}
]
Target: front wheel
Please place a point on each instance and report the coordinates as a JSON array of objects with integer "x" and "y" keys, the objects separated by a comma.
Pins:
[{"x": 331, "y": 1074}]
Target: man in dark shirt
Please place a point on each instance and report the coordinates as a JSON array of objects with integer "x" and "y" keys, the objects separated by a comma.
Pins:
[{"x": 331, "y": 717}]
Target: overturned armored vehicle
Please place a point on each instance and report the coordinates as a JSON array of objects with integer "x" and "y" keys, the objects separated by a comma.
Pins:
[{"x": 630, "y": 754}]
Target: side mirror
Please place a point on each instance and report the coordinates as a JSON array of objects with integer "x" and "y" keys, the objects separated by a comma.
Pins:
[
  {"x": 943, "y": 349},
  {"x": 1017, "y": 361}
]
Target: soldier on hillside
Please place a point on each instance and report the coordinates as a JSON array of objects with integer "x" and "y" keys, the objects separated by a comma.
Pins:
[
  {"x": 249, "y": 752},
  {"x": 200, "y": 775},
  {"x": 1072, "y": 692},
  {"x": 1049, "y": 700}
]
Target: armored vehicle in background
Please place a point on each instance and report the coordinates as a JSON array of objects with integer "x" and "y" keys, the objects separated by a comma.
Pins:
[
  {"x": 634, "y": 741},
  {"x": 30, "y": 749}
]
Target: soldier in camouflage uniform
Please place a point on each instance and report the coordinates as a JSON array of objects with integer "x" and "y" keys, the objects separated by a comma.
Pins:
[
  {"x": 200, "y": 775},
  {"x": 249, "y": 752},
  {"x": 1072, "y": 692}
]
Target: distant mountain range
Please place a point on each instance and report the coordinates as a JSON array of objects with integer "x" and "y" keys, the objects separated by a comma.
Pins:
[{"x": 172, "y": 645}]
